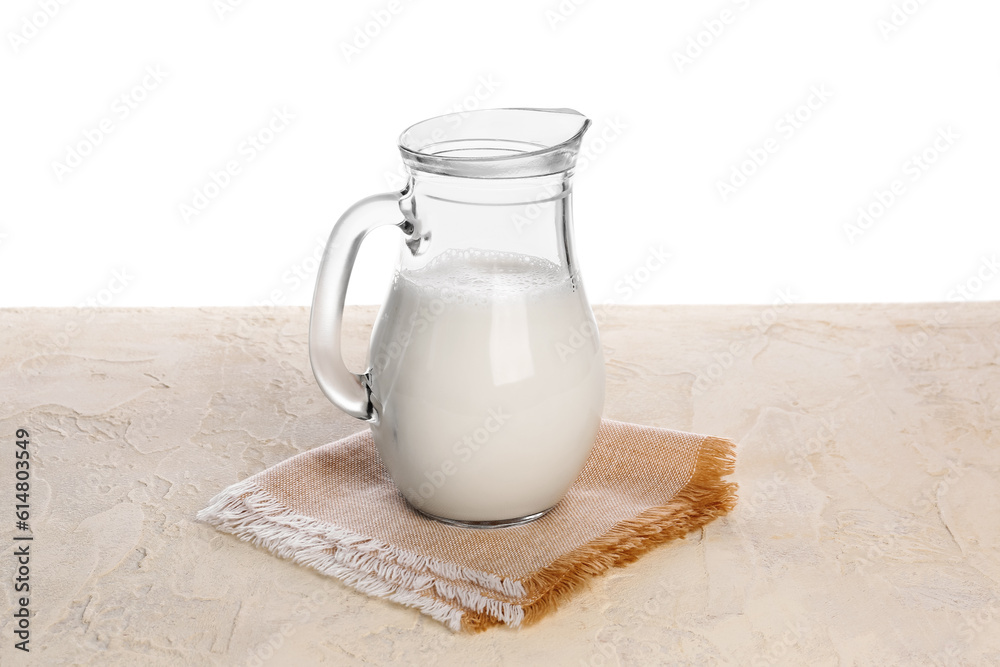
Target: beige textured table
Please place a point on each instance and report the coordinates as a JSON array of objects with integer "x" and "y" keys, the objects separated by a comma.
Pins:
[{"x": 868, "y": 530}]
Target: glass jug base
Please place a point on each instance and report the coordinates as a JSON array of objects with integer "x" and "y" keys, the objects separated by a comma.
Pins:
[{"x": 480, "y": 525}]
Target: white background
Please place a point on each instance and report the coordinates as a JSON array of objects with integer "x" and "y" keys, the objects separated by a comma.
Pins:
[{"x": 111, "y": 231}]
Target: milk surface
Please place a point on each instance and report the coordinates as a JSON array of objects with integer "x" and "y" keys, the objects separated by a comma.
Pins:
[{"x": 489, "y": 383}]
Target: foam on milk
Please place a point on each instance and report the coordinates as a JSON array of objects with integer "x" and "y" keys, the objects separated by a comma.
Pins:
[
  {"x": 482, "y": 277},
  {"x": 489, "y": 397}
]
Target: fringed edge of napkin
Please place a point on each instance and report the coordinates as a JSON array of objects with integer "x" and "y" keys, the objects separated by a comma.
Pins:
[
  {"x": 250, "y": 513},
  {"x": 247, "y": 511},
  {"x": 703, "y": 499}
]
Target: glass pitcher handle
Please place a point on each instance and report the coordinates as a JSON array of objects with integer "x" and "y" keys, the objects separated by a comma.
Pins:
[{"x": 348, "y": 391}]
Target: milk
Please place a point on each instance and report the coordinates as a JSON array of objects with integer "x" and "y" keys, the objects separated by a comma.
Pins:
[{"x": 488, "y": 380}]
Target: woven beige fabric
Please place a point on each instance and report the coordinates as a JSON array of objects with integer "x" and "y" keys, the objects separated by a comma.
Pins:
[{"x": 336, "y": 509}]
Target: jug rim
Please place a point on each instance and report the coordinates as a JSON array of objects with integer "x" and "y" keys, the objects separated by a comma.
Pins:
[{"x": 514, "y": 142}]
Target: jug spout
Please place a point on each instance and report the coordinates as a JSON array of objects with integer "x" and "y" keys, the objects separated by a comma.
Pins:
[{"x": 495, "y": 143}]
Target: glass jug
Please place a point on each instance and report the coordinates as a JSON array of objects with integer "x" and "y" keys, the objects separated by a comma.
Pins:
[{"x": 485, "y": 383}]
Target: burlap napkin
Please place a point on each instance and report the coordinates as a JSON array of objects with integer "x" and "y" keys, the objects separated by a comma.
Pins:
[{"x": 335, "y": 509}]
